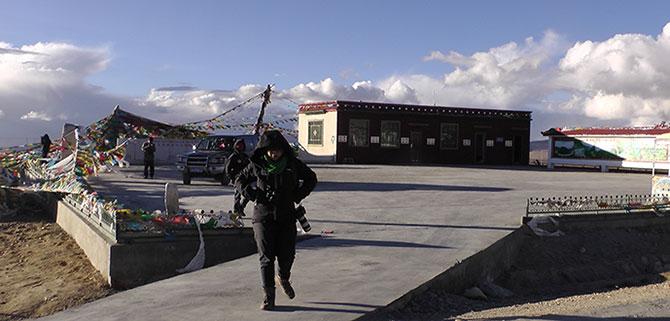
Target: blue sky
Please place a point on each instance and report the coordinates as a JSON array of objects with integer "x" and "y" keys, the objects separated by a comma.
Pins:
[
  {"x": 180, "y": 61},
  {"x": 223, "y": 44}
]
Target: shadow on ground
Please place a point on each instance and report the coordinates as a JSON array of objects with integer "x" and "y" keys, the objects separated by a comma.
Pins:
[
  {"x": 558, "y": 317},
  {"x": 296, "y": 308},
  {"x": 390, "y": 187},
  {"x": 341, "y": 242},
  {"x": 342, "y": 166},
  {"x": 466, "y": 227}
]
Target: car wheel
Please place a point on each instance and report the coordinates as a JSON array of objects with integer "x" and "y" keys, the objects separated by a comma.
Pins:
[{"x": 225, "y": 180}]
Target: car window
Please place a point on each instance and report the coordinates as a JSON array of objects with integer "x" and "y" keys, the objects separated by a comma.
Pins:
[
  {"x": 223, "y": 143},
  {"x": 216, "y": 143},
  {"x": 203, "y": 144}
]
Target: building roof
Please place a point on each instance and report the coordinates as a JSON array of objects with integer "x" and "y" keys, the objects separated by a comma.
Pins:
[
  {"x": 656, "y": 130},
  {"x": 344, "y": 105},
  {"x": 120, "y": 116}
]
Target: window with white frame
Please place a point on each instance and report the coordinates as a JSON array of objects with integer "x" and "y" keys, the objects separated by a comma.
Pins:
[
  {"x": 390, "y": 133},
  {"x": 359, "y": 132}
]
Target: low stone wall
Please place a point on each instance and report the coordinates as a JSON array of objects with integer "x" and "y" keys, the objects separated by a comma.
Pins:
[
  {"x": 613, "y": 220},
  {"x": 96, "y": 245},
  {"x": 146, "y": 260},
  {"x": 139, "y": 260},
  {"x": 492, "y": 262}
]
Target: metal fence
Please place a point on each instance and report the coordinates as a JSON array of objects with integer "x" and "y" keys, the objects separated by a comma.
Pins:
[{"x": 597, "y": 204}]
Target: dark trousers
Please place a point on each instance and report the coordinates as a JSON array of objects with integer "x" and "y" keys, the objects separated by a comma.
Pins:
[
  {"x": 275, "y": 240},
  {"x": 45, "y": 152},
  {"x": 148, "y": 168},
  {"x": 240, "y": 202}
]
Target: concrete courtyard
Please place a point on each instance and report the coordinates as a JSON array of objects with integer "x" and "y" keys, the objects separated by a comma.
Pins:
[{"x": 393, "y": 228}]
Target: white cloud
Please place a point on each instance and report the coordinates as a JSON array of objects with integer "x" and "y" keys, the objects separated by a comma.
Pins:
[
  {"x": 52, "y": 64},
  {"x": 398, "y": 91},
  {"x": 509, "y": 76},
  {"x": 624, "y": 77},
  {"x": 53, "y": 77},
  {"x": 35, "y": 115},
  {"x": 183, "y": 104},
  {"x": 621, "y": 80},
  {"x": 327, "y": 89}
]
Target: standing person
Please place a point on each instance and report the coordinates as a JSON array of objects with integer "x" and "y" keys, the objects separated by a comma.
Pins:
[
  {"x": 46, "y": 145},
  {"x": 235, "y": 163},
  {"x": 278, "y": 175},
  {"x": 149, "y": 149}
]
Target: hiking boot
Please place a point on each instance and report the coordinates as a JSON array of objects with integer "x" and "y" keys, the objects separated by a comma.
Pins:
[
  {"x": 268, "y": 299},
  {"x": 286, "y": 286}
]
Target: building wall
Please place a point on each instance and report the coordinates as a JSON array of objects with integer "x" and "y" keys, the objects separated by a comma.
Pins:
[
  {"x": 427, "y": 126},
  {"x": 631, "y": 151},
  {"x": 167, "y": 150},
  {"x": 328, "y": 149}
]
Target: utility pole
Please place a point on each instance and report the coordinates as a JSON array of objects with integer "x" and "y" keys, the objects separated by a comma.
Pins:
[{"x": 261, "y": 113}]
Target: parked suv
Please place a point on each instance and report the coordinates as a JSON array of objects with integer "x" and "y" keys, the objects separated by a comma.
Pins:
[{"x": 209, "y": 156}]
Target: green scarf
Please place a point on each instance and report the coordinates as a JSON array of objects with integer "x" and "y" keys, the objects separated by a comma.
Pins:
[{"x": 275, "y": 167}]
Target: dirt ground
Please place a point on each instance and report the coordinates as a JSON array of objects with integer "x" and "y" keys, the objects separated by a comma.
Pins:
[
  {"x": 43, "y": 270},
  {"x": 649, "y": 302}
]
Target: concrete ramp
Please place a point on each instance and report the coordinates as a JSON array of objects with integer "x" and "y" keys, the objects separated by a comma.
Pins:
[{"x": 386, "y": 230}]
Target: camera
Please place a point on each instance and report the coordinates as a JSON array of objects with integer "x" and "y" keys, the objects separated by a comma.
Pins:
[
  {"x": 300, "y": 215},
  {"x": 270, "y": 196}
]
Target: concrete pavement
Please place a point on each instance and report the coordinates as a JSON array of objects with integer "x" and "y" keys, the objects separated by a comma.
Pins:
[{"x": 394, "y": 227}]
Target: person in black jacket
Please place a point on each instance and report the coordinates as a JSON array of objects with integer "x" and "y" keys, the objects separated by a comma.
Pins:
[
  {"x": 282, "y": 181},
  {"x": 235, "y": 163},
  {"x": 46, "y": 145},
  {"x": 149, "y": 149}
]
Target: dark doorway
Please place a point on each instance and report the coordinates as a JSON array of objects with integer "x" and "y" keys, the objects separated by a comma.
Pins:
[
  {"x": 480, "y": 147},
  {"x": 415, "y": 146},
  {"x": 518, "y": 150}
]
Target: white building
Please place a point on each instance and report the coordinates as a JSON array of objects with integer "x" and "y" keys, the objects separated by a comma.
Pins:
[{"x": 627, "y": 147}]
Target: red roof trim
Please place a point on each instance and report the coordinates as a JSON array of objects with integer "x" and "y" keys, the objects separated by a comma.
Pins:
[
  {"x": 650, "y": 131},
  {"x": 318, "y": 106}
]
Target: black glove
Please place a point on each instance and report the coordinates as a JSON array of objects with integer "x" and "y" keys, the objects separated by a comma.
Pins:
[
  {"x": 299, "y": 197},
  {"x": 250, "y": 193}
]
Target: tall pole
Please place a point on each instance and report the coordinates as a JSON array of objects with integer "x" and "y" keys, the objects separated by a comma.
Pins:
[{"x": 261, "y": 113}]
